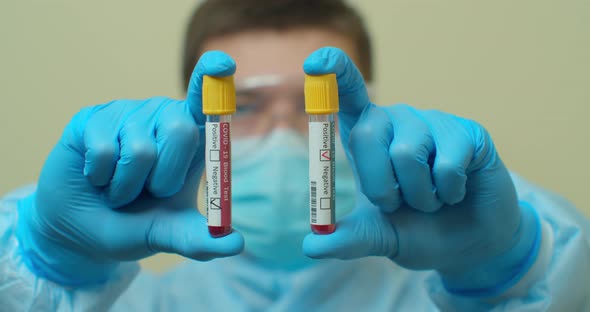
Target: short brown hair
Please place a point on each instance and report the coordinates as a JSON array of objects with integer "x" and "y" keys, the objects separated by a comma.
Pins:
[{"x": 222, "y": 17}]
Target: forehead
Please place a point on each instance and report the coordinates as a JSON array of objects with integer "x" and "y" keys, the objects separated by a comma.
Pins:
[{"x": 281, "y": 52}]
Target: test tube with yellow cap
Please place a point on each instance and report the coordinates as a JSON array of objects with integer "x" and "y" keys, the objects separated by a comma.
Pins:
[
  {"x": 321, "y": 103},
  {"x": 219, "y": 103}
]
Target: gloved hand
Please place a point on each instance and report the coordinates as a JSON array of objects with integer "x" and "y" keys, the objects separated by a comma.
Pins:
[
  {"x": 434, "y": 194},
  {"x": 121, "y": 184}
]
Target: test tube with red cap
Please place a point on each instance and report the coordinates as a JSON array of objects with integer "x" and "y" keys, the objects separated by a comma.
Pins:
[
  {"x": 219, "y": 103},
  {"x": 321, "y": 104}
]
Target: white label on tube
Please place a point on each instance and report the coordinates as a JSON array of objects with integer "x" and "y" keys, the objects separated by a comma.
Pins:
[
  {"x": 321, "y": 173},
  {"x": 218, "y": 171}
]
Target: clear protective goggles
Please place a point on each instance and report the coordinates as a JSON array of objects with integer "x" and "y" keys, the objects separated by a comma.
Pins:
[{"x": 268, "y": 102}]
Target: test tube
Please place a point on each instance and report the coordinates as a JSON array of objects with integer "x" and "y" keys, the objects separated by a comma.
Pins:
[
  {"x": 219, "y": 102},
  {"x": 321, "y": 103}
]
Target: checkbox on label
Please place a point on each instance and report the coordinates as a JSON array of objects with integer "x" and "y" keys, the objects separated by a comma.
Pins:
[
  {"x": 214, "y": 155},
  {"x": 325, "y": 203},
  {"x": 325, "y": 155},
  {"x": 215, "y": 203}
]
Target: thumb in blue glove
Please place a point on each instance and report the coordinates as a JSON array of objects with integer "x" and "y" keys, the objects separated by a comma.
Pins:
[
  {"x": 434, "y": 194},
  {"x": 120, "y": 185}
]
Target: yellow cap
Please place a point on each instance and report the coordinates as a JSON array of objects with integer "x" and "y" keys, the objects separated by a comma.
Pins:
[
  {"x": 219, "y": 95},
  {"x": 321, "y": 94}
]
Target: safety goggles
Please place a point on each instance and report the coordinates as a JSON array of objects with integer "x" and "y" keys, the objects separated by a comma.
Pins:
[{"x": 268, "y": 102}]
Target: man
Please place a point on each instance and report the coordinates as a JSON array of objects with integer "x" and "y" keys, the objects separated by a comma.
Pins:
[{"x": 430, "y": 216}]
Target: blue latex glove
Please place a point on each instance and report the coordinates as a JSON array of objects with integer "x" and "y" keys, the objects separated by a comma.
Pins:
[
  {"x": 121, "y": 184},
  {"x": 435, "y": 194}
]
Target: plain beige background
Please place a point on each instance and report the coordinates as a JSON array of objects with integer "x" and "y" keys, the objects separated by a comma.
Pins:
[{"x": 521, "y": 68}]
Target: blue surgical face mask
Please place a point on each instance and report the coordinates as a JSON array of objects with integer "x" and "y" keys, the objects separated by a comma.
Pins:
[{"x": 271, "y": 197}]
